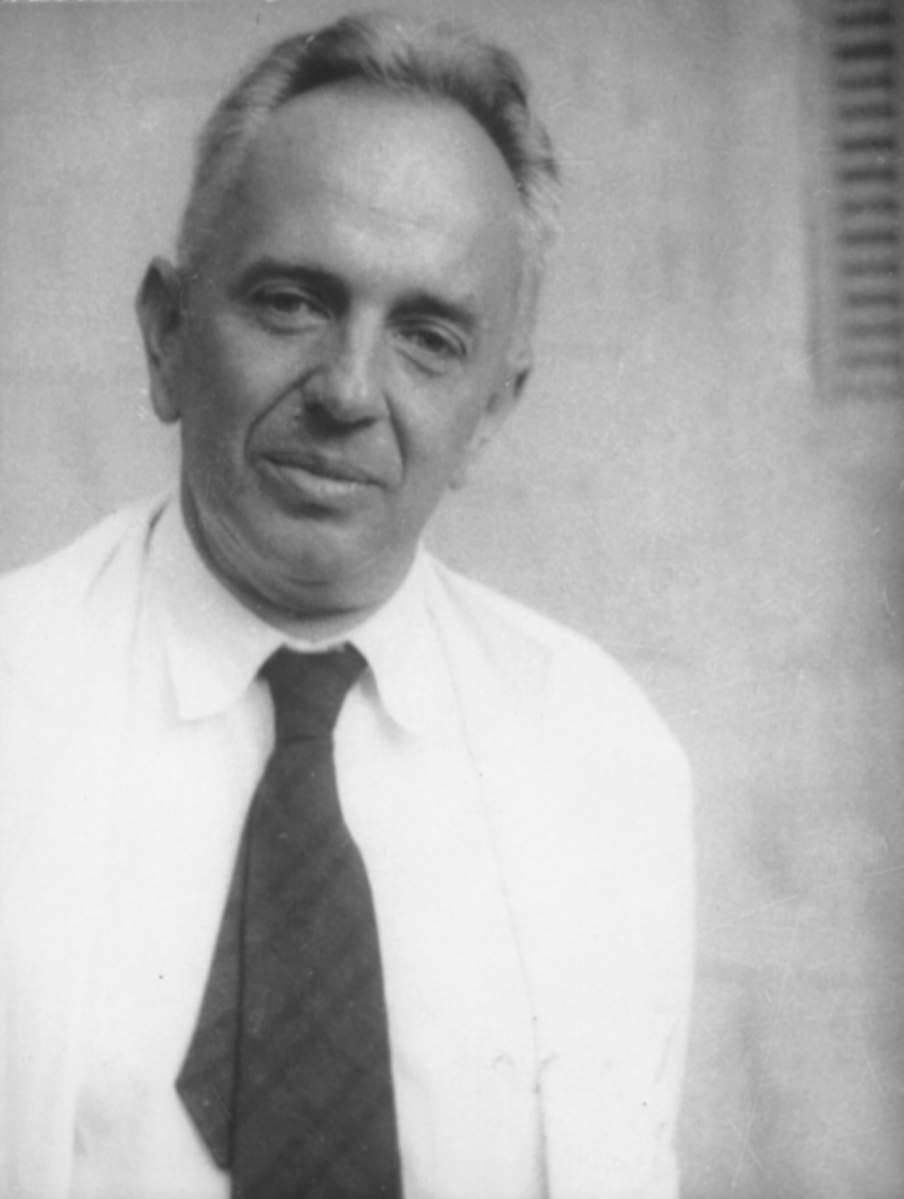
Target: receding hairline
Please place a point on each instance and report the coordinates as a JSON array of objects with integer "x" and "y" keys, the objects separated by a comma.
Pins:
[
  {"x": 441, "y": 60},
  {"x": 357, "y": 89},
  {"x": 233, "y": 169}
]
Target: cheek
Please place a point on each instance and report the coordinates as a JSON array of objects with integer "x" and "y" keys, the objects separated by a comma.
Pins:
[
  {"x": 461, "y": 426},
  {"x": 437, "y": 448},
  {"x": 214, "y": 431},
  {"x": 222, "y": 396}
]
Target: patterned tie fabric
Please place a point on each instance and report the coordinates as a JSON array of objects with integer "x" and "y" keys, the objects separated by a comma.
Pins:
[{"x": 288, "y": 1073}]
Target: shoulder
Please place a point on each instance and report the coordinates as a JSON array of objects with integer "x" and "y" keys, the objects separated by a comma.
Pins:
[
  {"x": 60, "y": 611},
  {"x": 587, "y": 700},
  {"x": 499, "y": 619}
]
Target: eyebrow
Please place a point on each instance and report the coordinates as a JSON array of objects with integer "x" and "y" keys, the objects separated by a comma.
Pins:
[
  {"x": 423, "y": 303},
  {"x": 263, "y": 269},
  {"x": 417, "y": 303}
]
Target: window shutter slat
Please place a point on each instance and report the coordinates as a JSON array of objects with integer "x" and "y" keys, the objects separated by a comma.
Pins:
[{"x": 860, "y": 332}]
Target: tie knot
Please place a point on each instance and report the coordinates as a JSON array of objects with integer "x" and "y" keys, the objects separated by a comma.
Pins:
[{"x": 309, "y": 689}]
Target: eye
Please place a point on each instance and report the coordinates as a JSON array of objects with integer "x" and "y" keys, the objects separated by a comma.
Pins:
[
  {"x": 433, "y": 347},
  {"x": 285, "y": 306}
]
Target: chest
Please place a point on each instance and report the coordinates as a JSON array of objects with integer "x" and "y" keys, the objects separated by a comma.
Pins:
[{"x": 461, "y": 1025}]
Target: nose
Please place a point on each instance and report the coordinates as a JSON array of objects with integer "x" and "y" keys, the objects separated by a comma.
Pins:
[{"x": 345, "y": 386}]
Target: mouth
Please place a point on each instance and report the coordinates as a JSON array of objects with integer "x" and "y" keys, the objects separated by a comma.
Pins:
[{"x": 315, "y": 481}]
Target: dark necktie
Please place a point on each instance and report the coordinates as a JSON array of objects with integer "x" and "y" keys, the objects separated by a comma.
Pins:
[{"x": 288, "y": 1073}]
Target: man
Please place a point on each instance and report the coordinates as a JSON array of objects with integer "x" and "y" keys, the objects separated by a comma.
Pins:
[{"x": 347, "y": 325}]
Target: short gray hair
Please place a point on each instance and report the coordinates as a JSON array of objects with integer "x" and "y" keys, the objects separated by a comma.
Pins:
[{"x": 442, "y": 61}]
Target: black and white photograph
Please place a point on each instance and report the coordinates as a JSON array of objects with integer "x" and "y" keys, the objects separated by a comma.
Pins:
[{"x": 451, "y": 599}]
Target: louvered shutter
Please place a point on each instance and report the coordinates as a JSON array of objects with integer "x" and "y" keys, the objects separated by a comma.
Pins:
[{"x": 860, "y": 275}]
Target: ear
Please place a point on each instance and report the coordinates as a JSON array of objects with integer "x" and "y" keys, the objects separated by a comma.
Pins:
[
  {"x": 498, "y": 408},
  {"x": 160, "y": 314}
]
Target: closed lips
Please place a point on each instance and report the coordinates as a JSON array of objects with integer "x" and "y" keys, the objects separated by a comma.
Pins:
[{"x": 342, "y": 472}]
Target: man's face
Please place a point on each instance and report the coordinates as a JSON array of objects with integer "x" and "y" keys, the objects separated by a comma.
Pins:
[{"x": 344, "y": 348}]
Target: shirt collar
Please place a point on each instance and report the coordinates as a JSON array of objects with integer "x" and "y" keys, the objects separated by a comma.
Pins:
[{"x": 215, "y": 646}]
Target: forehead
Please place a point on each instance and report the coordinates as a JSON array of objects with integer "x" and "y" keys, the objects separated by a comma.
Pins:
[{"x": 402, "y": 167}]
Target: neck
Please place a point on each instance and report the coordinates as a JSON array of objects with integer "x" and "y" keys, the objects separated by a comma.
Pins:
[{"x": 312, "y": 623}]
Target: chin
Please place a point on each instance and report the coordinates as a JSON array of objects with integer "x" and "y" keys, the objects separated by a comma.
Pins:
[
  {"x": 305, "y": 566},
  {"x": 305, "y": 576}
]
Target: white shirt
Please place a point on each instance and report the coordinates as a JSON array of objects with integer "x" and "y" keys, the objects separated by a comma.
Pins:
[
  {"x": 131, "y": 715},
  {"x": 199, "y": 731}
]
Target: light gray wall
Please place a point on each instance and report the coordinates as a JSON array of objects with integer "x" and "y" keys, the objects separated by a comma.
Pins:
[{"x": 673, "y": 486}]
